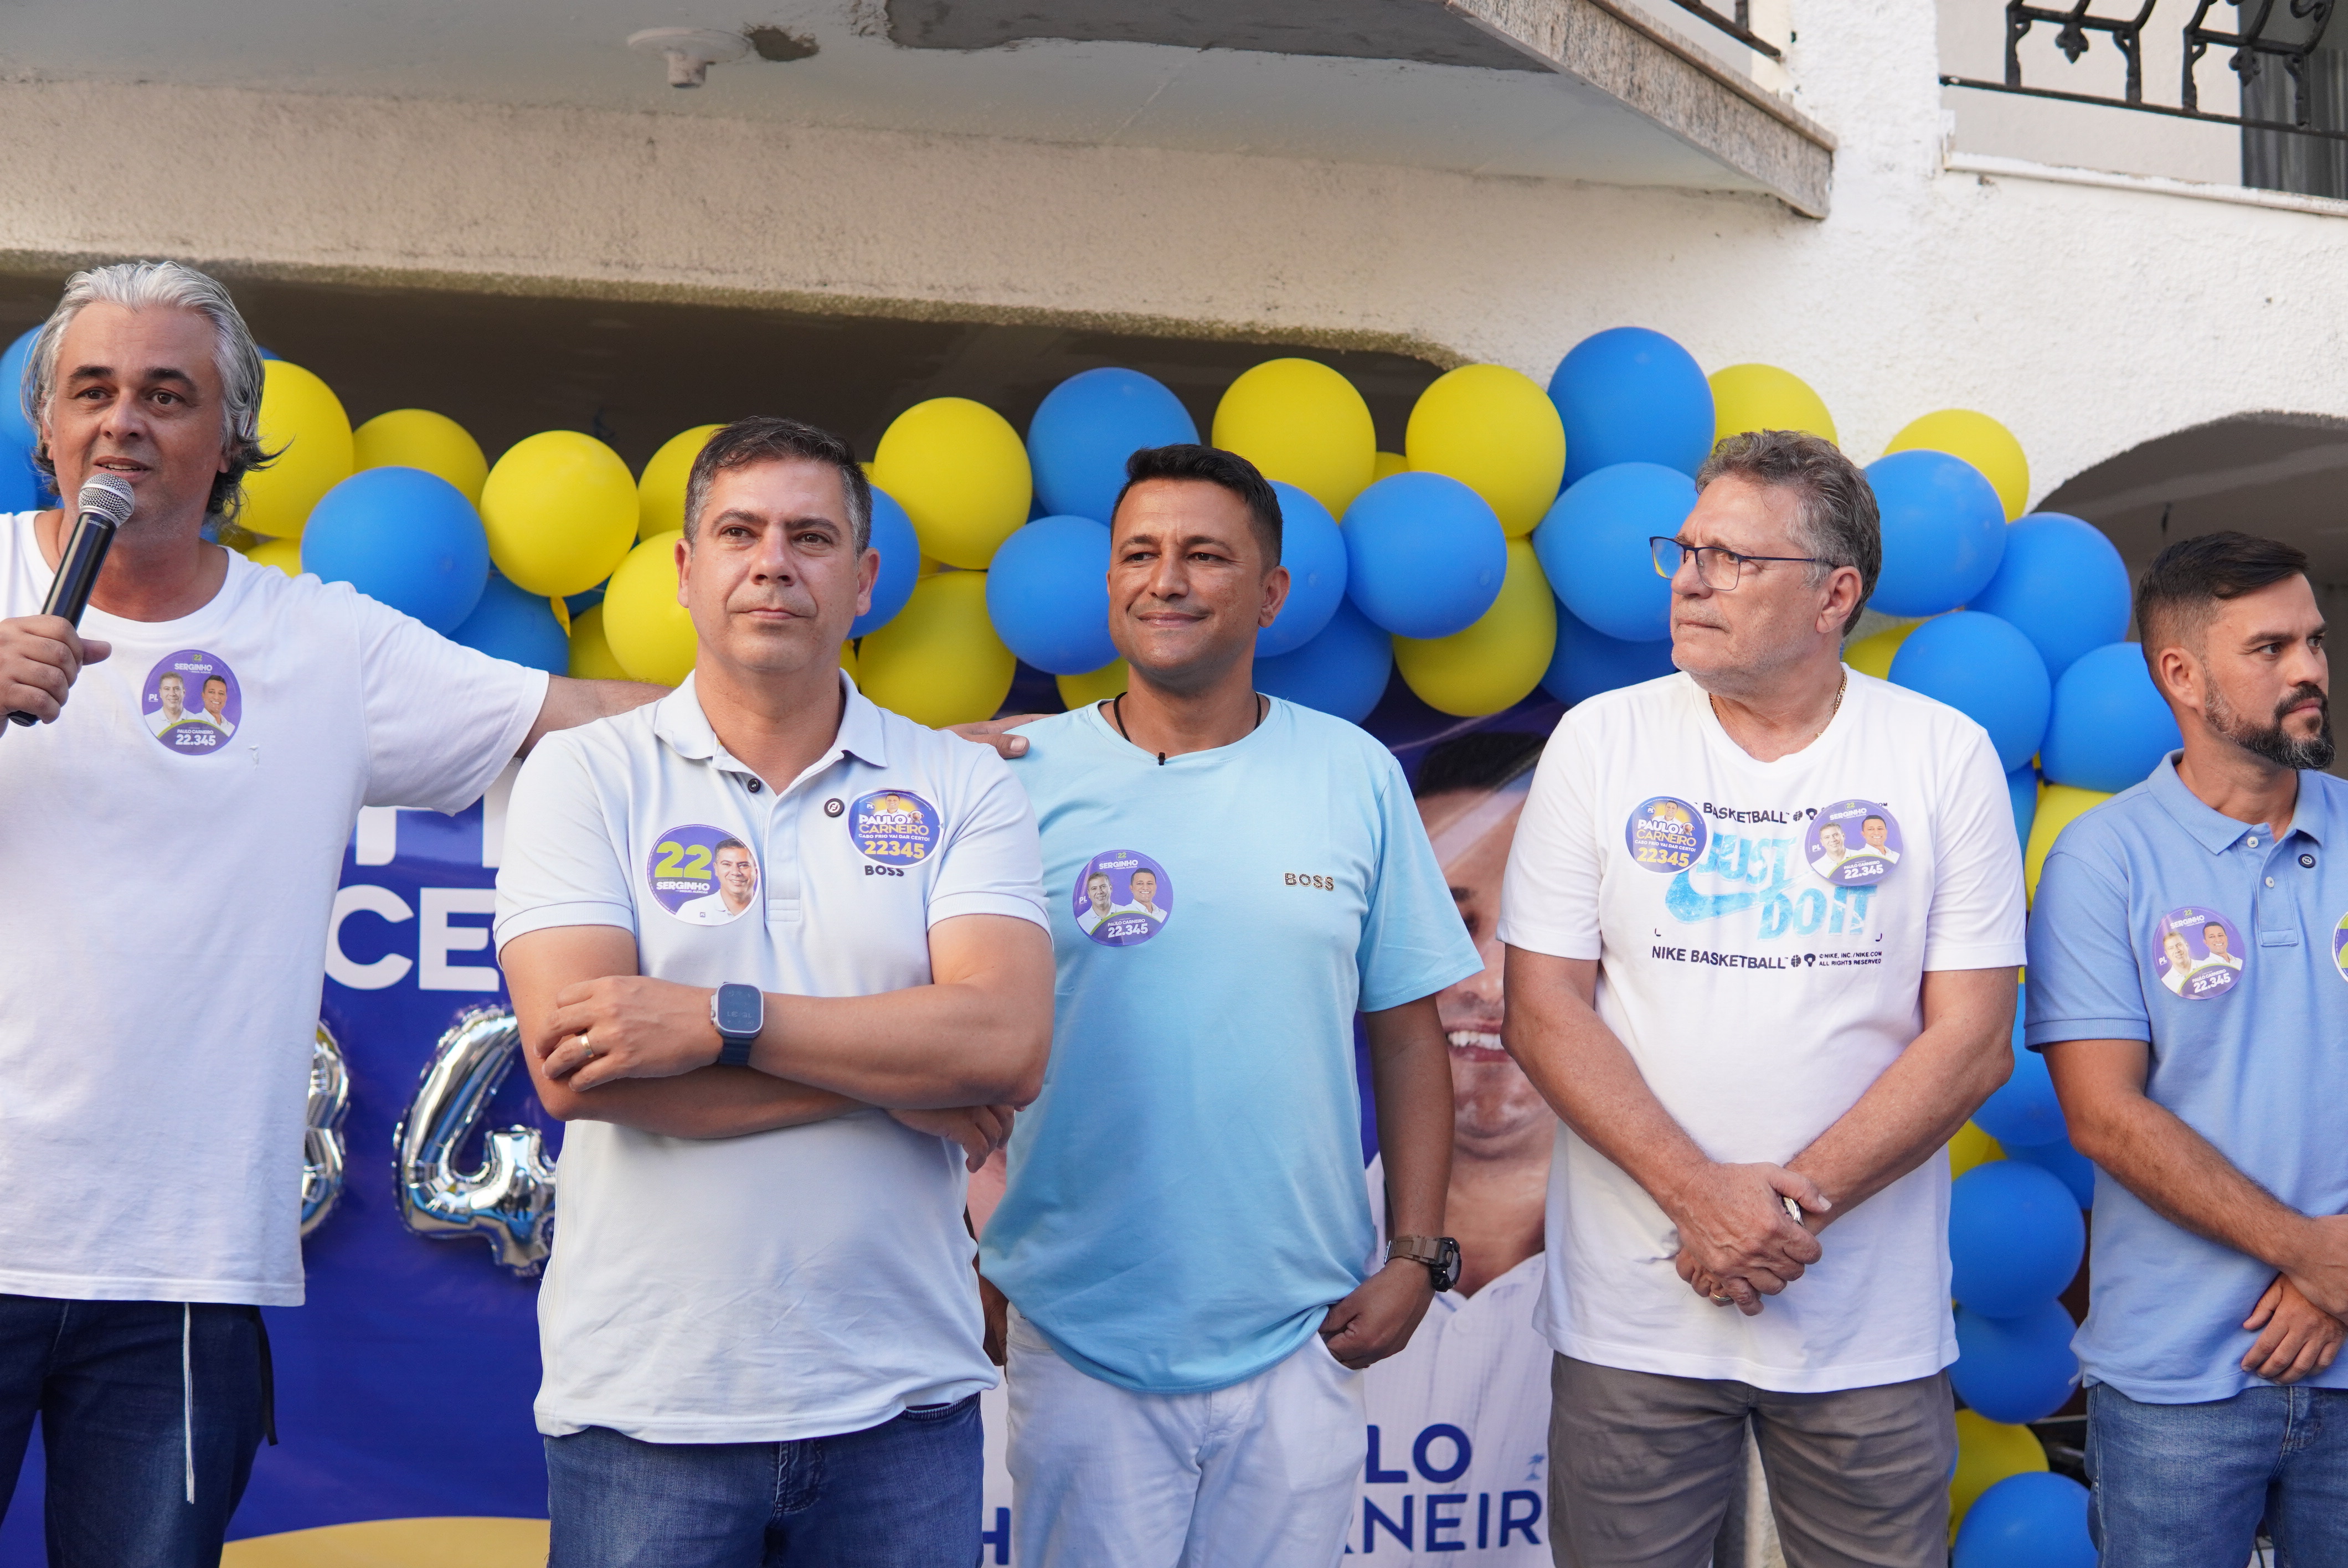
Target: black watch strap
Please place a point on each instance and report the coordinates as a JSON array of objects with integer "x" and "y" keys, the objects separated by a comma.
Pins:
[{"x": 738, "y": 1012}]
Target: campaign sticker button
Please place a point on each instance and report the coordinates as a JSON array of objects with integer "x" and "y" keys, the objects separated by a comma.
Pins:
[
  {"x": 703, "y": 876},
  {"x": 1664, "y": 835},
  {"x": 1853, "y": 843},
  {"x": 2200, "y": 953},
  {"x": 893, "y": 827},
  {"x": 191, "y": 703},
  {"x": 1122, "y": 899}
]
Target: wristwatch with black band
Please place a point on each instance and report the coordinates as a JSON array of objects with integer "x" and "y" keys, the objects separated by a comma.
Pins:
[
  {"x": 738, "y": 1012},
  {"x": 1440, "y": 1253}
]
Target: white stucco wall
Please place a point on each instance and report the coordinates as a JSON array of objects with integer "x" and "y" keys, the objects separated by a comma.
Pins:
[{"x": 2086, "y": 319}]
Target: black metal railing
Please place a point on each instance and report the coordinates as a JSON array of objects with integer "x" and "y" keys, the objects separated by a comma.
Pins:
[
  {"x": 1739, "y": 26},
  {"x": 2267, "y": 35}
]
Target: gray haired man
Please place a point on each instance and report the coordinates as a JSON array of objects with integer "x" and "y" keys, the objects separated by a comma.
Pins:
[
  {"x": 154, "y": 1132},
  {"x": 1753, "y": 1033}
]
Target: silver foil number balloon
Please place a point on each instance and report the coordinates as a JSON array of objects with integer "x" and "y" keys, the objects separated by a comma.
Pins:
[
  {"x": 322, "y": 1138},
  {"x": 509, "y": 1201}
]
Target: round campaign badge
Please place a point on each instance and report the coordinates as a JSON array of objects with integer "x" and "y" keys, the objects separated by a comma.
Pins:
[
  {"x": 191, "y": 703},
  {"x": 2340, "y": 947},
  {"x": 893, "y": 827},
  {"x": 703, "y": 876},
  {"x": 1664, "y": 835},
  {"x": 1852, "y": 843},
  {"x": 2200, "y": 953},
  {"x": 1122, "y": 899}
]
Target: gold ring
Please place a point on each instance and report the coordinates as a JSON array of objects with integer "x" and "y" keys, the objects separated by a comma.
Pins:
[{"x": 1723, "y": 1300}]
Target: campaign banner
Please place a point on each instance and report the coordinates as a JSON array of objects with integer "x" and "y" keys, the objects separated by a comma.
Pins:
[{"x": 404, "y": 1385}]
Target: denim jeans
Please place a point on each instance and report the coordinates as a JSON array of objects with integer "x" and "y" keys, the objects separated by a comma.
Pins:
[
  {"x": 2185, "y": 1486},
  {"x": 141, "y": 1403},
  {"x": 903, "y": 1494}
]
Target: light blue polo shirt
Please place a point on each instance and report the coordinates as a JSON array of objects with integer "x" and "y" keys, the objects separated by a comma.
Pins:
[
  {"x": 2159, "y": 919},
  {"x": 1186, "y": 1197}
]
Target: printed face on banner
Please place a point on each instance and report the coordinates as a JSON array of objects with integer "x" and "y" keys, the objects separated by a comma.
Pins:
[
  {"x": 2200, "y": 953},
  {"x": 703, "y": 876},
  {"x": 191, "y": 703}
]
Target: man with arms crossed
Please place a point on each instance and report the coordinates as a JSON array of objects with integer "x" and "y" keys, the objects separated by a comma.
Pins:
[
  {"x": 2211, "y": 1112},
  {"x": 1721, "y": 1029},
  {"x": 760, "y": 1330},
  {"x": 155, "y": 1161},
  {"x": 1185, "y": 1232}
]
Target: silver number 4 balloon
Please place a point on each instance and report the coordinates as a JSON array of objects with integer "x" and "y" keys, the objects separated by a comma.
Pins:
[{"x": 509, "y": 1200}]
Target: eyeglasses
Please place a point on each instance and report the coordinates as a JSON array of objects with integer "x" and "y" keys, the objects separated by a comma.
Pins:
[{"x": 1717, "y": 566}]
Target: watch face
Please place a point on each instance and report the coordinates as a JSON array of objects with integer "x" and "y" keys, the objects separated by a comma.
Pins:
[{"x": 740, "y": 1010}]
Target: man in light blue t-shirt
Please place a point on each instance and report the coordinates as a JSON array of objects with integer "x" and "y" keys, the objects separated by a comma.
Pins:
[
  {"x": 2190, "y": 988},
  {"x": 1185, "y": 1236}
]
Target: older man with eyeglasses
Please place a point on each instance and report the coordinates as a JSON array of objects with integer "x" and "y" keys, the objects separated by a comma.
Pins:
[{"x": 1763, "y": 918}]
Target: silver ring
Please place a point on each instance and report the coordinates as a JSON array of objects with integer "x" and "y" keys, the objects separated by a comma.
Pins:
[{"x": 1723, "y": 1300}]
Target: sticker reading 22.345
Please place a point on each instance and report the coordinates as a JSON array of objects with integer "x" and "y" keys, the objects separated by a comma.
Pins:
[
  {"x": 1664, "y": 835},
  {"x": 2200, "y": 954},
  {"x": 1853, "y": 842},
  {"x": 703, "y": 876},
  {"x": 1122, "y": 899},
  {"x": 191, "y": 703},
  {"x": 893, "y": 827}
]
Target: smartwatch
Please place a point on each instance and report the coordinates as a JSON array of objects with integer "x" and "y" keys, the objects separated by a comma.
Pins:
[
  {"x": 738, "y": 1014},
  {"x": 1440, "y": 1253}
]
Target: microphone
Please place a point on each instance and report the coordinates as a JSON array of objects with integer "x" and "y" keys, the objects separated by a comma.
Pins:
[{"x": 103, "y": 506}]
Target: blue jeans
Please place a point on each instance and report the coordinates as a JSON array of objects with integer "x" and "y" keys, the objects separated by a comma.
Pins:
[
  {"x": 2185, "y": 1486},
  {"x": 121, "y": 1426},
  {"x": 903, "y": 1494}
]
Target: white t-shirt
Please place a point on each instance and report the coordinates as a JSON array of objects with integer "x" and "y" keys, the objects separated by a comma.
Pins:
[
  {"x": 1760, "y": 1000},
  {"x": 802, "y": 1282},
  {"x": 164, "y": 922}
]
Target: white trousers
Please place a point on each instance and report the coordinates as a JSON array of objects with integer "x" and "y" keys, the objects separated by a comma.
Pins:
[{"x": 1263, "y": 1474}]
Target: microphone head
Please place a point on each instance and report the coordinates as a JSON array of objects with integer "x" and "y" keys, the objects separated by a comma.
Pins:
[{"x": 107, "y": 496}]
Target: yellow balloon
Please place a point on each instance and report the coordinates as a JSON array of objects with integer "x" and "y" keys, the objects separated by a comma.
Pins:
[
  {"x": 938, "y": 661},
  {"x": 2058, "y": 807},
  {"x": 302, "y": 421},
  {"x": 961, "y": 473},
  {"x": 419, "y": 439},
  {"x": 1762, "y": 397},
  {"x": 592, "y": 658},
  {"x": 1971, "y": 1147},
  {"x": 1979, "y": 440},
  {"x": 660, "y": 493},
  {"x": 1496, "y": 661},
  {"x": 1301, "y": 421},
  {"x": 1388, "y": 465},
  {"x": 286, "y": 555},
  {"x": 1873, "y": 655},
  {"x": 1988, "y": 1452},
  {"x": 649, "y": 634},
  {"x": 1495, "y": 431},
  {"x": 560, "y": 510},
  {"x": 1095, "y": 685}
]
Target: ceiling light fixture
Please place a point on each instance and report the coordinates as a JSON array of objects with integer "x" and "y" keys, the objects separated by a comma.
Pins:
[{"x": 690, "y": 51}]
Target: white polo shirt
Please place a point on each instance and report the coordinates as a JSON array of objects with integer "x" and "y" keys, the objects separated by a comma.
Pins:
[
  {"x": 811, "y": 1280},
  {"x": 1761, "y": 986}
]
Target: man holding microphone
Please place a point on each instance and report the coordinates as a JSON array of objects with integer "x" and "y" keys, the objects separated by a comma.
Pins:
[{"x": 153, "y": 1141}]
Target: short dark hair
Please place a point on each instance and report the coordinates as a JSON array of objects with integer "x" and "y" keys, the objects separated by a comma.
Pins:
[
  {"x": 765, "y": 438},
  {"x": 1840, "y": 523},
  {"x": 221, "y": 679},
  {"x": 2182, "y": 588},
  {"x": 1486, "y": 759},
  {"x": 1212, "y": 466},
  {"x": 723, "y": 845}
]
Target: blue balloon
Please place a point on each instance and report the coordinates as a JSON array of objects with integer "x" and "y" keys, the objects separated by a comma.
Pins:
[
  {"x": 2078, "y": 1172},
  {"x": 1944, "y": 532},
  {"x": 2063, "y": 584},
  {"x": 579, "y": 604},
  {"x": 1630, "y": 396},
  {"x": 509, "y": 623},
  {"x": 2018, "y": 1369},
  {"x": 901, "y": 564},
  {"x": 1314, "y": 551},
  {"x": 2021, "y": 783},
  {"x": 2034, "y": 1519},
  {"x": 2024, "y": 1110},
  {"x": 1048, "y": 594},
  {"x": 1593, "y": 548},
  {"x": 1587, "y": 662},
  {"x": 404, "y": 538},
  {"x": 1424, "y": 555},
  {"x": 2015, "y": 1238},
  {"x": 23, "y": 488},
  {"x": 2109, "y": 727},
  {"x": 1985, "y": 670},
  {"x": 1086, "y": 427},
  {"x": 1342, "y": 671}
]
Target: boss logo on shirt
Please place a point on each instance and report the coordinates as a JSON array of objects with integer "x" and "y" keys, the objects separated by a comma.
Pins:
[
  {"x": 893, "y": 825},
  {"x": 1664, "y": 835},
  {"x": 191, "y": 703},
  {"x": 1307, "y": 879},
  {"x": 2199, "y": 954},
  {"x": 703, "y": 876}
]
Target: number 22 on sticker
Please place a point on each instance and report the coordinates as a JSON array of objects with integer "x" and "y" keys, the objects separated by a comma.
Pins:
[{"x": 679, "y": 860}]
